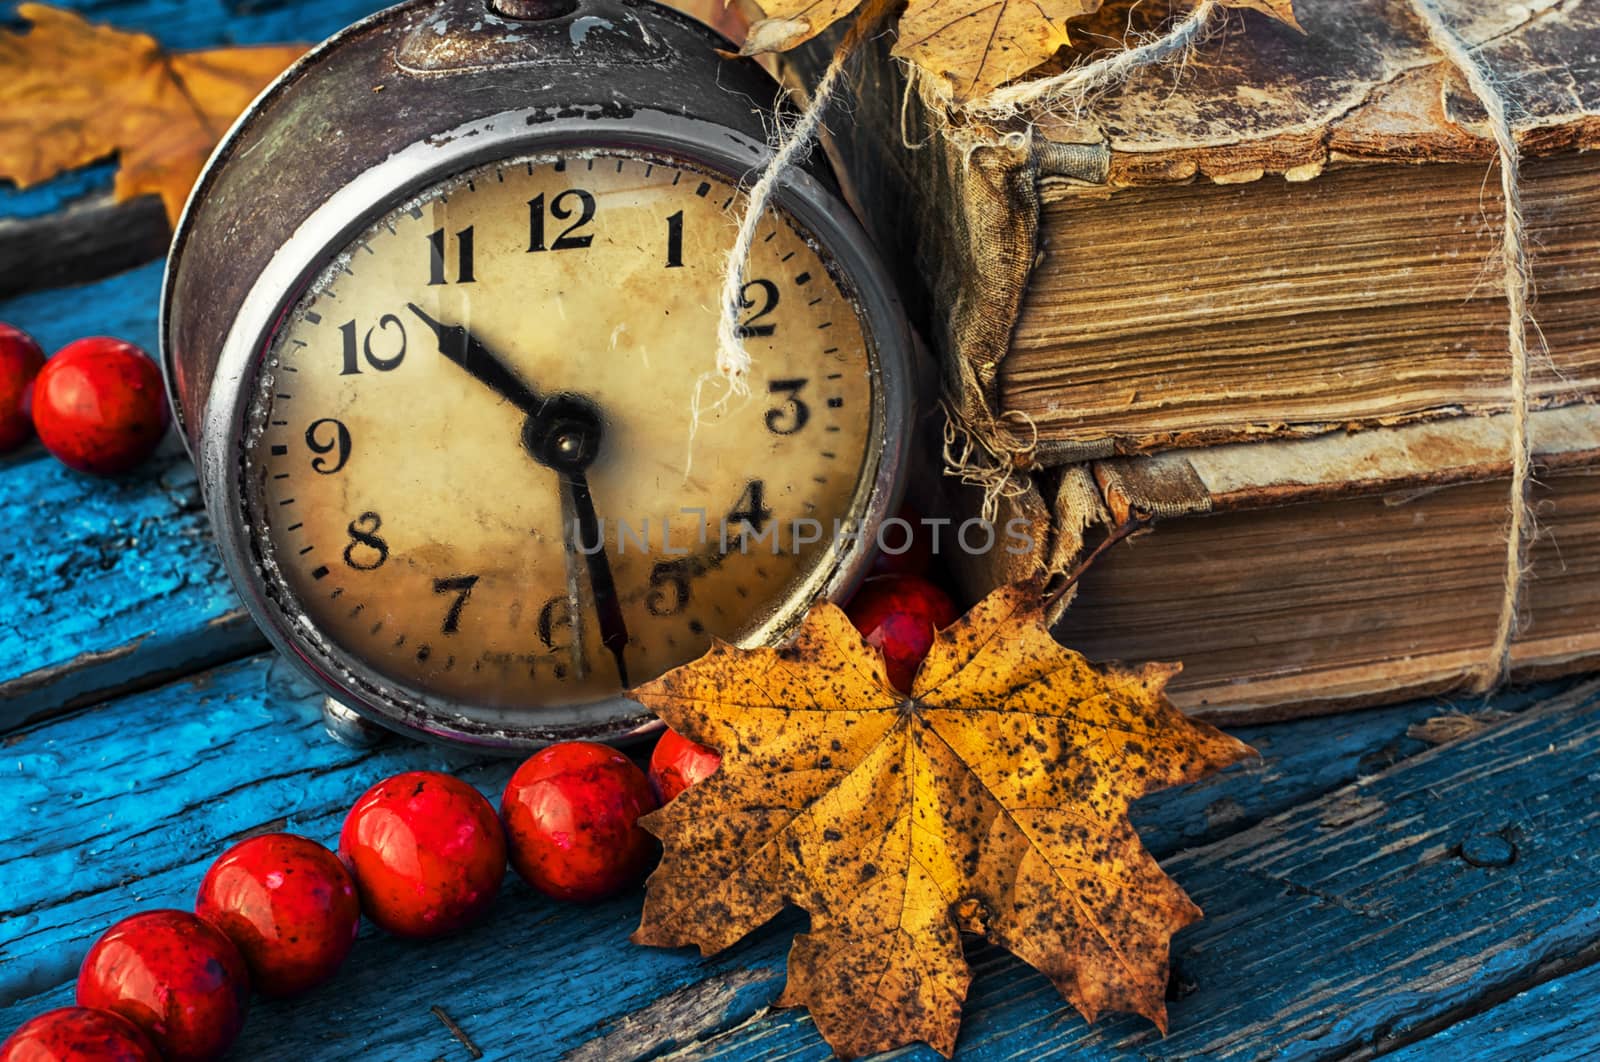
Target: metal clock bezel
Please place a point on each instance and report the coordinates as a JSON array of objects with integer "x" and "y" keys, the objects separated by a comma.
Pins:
[{"x": 407, "y": 173}]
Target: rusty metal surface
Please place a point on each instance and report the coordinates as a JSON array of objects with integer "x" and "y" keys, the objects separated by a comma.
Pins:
[{"x": 350, "y": 104}]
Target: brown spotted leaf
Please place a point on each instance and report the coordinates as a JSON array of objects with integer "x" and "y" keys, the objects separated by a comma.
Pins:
[
  {"x": 971, "y": 46},
  {"x": 994, "y": 799},
  {"x": 72, "y": 92},
  {"x": 1282, "y": 10}
]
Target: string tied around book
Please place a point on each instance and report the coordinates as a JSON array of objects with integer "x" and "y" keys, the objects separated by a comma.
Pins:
[
  {"x": 1518, "y": 280},
  {"x": 790, "y": 145},
  {"x": 1076, "y": 86}
]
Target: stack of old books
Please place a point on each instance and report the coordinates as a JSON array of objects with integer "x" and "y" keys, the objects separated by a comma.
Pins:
[{"x": 1257, "y": 295}]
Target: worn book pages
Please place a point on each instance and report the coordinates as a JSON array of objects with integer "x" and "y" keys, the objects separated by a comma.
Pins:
[
  {"x": 1296, "y": 577},
  {"x": 987, "y": 224}
]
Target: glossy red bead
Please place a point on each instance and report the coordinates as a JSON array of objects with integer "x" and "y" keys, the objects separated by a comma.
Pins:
[
  {"x": 99, "y": 407},
  {"x": 178, "y": 979},
  {"x": 289, "y": 906},
  {"x": 677, "y": 764},
  {"x": 427, "y": 853},
  {"x": 78, "y": 1034},
  {"x": 571, "y": 813},
  {"x": 20, "y": 362},
  {"x": 899, "y": 615},
  {"x": 904, "y": 545}
]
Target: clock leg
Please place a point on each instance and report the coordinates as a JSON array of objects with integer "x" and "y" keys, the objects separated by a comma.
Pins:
[{"x": 350, "y": 728}]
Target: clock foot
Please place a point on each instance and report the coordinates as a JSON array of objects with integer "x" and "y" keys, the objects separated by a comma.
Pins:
[{"x": 350, "y": 728}]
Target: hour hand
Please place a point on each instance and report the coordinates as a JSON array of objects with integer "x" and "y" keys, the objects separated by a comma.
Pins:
[{"x": 481, "y": 363}]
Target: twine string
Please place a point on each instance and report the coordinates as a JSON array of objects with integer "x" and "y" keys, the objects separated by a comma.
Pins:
[
  {"x": 1074, "y": 87},
  {"x": 790, "y": 145},
  {"x": 1518, "y": 291}
]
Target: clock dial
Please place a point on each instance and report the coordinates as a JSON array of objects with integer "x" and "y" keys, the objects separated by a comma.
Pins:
[{"x": 475, "y": 461}]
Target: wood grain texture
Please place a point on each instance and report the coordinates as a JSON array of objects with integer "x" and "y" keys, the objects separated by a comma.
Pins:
[
  {"x": 124, "y": 806},
  {"x": 109, "y": 585},
  {"x": 1340, "y": 923},
  {"x": 1342, "y": 911},
  {"x": 68, "y": 230},
  {"x": 1554, "y": 1021},
  {"x": 87, "y": 239},
  {"x": 125, "y": 305}
]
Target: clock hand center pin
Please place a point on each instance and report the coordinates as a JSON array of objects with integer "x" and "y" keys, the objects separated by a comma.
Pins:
[{"x": 563, "y": 433}]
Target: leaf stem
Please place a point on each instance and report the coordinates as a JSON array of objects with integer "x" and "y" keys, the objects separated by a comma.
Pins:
[{"x": 1133, "y": 524}]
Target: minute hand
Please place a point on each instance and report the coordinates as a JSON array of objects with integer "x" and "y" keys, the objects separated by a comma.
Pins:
[{"x": 481, "y": 363}]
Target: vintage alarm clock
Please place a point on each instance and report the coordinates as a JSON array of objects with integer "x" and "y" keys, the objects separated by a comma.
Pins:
[{"x": 439, "y": 327}]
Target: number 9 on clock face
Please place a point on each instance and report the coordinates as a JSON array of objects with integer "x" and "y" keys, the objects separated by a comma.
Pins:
[{"x": 489, "y": 455}]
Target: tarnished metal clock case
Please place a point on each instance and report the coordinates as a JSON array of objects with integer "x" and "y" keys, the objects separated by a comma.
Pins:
[
  {"x": 406, "y": 99},
  {"x": 423, "y": 73}
]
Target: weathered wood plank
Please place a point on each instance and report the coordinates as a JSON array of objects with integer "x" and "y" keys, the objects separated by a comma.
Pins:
[
  {"x": 107, "y": 584},
  {"x": 1554, "y": 1022},
  {"x": 125, "y": 805},
  {"x": 43, "y": 199},
  {"x": 188, "y": 24},
  {"x": 125, "y": 306},
  {"x": 88, "y": 239},
  {"x": 1341, "y": 923},
  {"x": 68, "y": 230}
]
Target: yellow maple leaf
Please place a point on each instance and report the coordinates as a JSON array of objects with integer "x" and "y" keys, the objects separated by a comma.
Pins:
[
  {"x": 72, "y": 93},
  {"x": 993, "y": 800},
  {"x": 972, "y": 46},
  {"x": 978, "y": 46}
]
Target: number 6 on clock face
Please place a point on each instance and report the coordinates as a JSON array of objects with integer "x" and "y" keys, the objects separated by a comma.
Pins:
[
  {"x": 517, "y": 349},
  {"x": 440, "y": 327}
]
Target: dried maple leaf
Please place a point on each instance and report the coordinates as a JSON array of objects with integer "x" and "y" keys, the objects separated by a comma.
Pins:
[
  {"x": 973, "y": 46},
  {"x": 993, "y": 800},
  {"x": 72, "y": 92}
]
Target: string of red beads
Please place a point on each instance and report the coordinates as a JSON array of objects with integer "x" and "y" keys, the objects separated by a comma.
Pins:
[{"x": 422, "y": 854}]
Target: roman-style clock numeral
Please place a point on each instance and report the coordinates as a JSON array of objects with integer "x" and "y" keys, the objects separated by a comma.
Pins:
[
  {"x": 572, "y": 201},
  {"x": 436, "y": 256}
]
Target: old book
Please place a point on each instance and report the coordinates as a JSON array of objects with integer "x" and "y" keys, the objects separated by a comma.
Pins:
[
  {"x": 1294, "y": 577},
  {"x": 1282, "y": 236}
]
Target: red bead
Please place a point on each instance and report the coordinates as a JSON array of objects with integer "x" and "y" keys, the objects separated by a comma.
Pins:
[
  {"x": 678, "y": 763},
  {"x": 78, "y": 1034},
  {"x": 20, "y": 362},
  {"x": 99, "y": 406},
  {"x": 177, "y": 978},
  {"x": 289, "y": 906},
  {"x": 427, "y": 852},
  {"x": 899, "y": 614},
  {"x": 909, "y": 545},
  {"x": 571, "y": 813}
]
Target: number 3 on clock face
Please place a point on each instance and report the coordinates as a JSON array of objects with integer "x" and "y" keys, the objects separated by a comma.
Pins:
[{"x": 510, "y": 360}]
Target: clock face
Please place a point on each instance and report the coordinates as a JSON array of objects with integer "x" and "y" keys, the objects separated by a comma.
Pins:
[{"x": 491, "y": 460}]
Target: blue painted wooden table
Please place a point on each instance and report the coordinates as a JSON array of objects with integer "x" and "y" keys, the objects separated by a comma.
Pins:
[{"x": 1367, "y": 891}]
